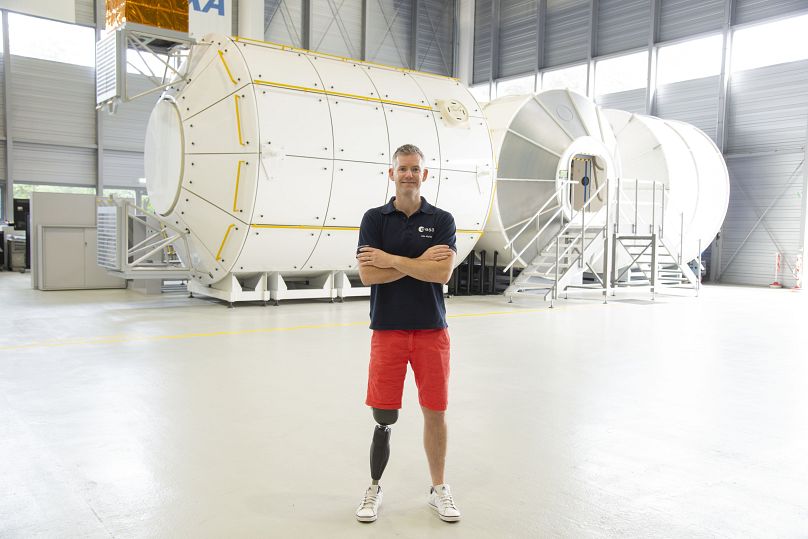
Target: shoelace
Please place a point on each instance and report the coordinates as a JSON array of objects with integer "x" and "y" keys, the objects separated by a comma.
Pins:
[
  {"x": 447, "y": 502},
  {"x": 370, "y": 500}
]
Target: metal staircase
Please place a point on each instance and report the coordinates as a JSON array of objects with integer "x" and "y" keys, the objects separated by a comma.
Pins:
[
  {"x": 654, "y": 263},
  {"x": 563, "y": 260}
]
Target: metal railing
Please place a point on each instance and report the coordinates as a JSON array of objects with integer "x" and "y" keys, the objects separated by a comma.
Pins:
[
  {"x": 161, "y": 253},
  {"x": 576, "y": 244}
]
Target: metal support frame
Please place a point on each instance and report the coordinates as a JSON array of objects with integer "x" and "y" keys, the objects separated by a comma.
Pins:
[
  {"x": 456, "y": 41},
  {"x": 8, "y": 203},
  {"x": 99, "y": 120},
  {"x": 163, "y": 240},
  {"x": 305, "y": 25},
  {"x": 726, "y": 61},
  {"x": 364, "y": 38},
  {"x": 171, "y": 49},
  {"x": 495, "y": 22},
  {"x": 804, "y": 205},
  {"x": 414, "y": 36},
  {"x": 541, "y": 32},
  {"x": 594, "y": 7},
  {"x": 650, "y": 82}
]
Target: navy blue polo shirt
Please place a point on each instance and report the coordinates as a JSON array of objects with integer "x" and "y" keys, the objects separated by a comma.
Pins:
[{"x": 407, "y": 303}]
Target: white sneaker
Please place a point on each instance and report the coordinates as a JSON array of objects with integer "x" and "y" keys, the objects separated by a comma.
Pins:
[
  {"x": 440, "y": 499},
  {"x": 369, "y": 508}
]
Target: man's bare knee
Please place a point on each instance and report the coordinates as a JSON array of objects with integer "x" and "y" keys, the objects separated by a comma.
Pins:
[{"x": 436, "y": 416}]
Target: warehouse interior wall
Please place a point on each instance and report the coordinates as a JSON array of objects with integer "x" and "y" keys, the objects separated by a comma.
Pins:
[{"x": 736, "y": 69}]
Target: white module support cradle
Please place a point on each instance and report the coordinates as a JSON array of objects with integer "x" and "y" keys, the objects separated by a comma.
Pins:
[{"x": 269, "y": 156}]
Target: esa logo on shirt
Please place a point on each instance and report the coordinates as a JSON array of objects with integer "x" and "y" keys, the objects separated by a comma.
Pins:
[{"x": 426, "y": 232}]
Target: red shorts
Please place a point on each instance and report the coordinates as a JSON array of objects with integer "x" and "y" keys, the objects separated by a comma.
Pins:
[{"x": 427, "y": 350}]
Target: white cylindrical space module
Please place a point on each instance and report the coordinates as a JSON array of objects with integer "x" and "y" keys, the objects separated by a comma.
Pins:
[
  {"x": 543, "y": 143},
  {"x": 685, "y": 160},
  {"x": 269, "y": 156}
]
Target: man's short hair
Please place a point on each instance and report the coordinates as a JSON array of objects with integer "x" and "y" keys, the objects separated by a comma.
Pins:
[{"x": 408, "y": 149}]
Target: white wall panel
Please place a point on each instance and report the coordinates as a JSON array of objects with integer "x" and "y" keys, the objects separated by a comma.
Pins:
[
  {"x": 680, "y": 18},
  {"x": 434, "y": 40},
  {"x": 482, "y": 41},
  {"x": 768, "y": 108},
  {"x": 85, "y": 12},
  {"x": 755, "y": 10},
  {"x": 40, "y": 163},
  {"x": 283, "y": 22},
  {"x": 518, "y": 53},
  {"x": 336, "y": 27},
  {"x": 757, "y": 183},
  {"x": 622, "y": 25},
  {"x": 389, "y": 27},
  {"x": 631, "y": 101},
  {"x": 126, "y": 129},
  {"x": 123, "y": 169},
  {"x": 692, "y": 101},
  {"x": 54, "y": 102},
  {"x": 566, "y": 31}
]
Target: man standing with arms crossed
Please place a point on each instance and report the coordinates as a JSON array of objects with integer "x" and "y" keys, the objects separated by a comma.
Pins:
[{"x": 406, "y": 254}]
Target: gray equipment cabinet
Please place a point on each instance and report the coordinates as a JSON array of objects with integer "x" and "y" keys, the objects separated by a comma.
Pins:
[{"x": 67, "y": 257}]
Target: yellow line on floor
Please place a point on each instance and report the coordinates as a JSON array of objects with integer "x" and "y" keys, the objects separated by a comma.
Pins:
[{"x": 118, "y": 339}]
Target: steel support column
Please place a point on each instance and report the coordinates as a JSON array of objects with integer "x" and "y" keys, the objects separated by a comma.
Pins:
[
  {"x": 305, "y": 25},
  {"x": 8, "y": 203},
  {"x": 364, "y": 41},
  {"x": 721, "y": 127},
  {"x": 99, "y": 118},
  {"x": 804, "y": 206},
  {"x": 414, "y": 36},
  {"x": 653, "y": 37},
  {"x": 541, "y": 15},
  {"x": 591, "y": 49},
  {"x": 494, "y": 71}
]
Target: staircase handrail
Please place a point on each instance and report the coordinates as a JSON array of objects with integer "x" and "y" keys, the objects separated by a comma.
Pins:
[
  {"x": 529, "y": 220},
  {"x": 592, "y": 197}
]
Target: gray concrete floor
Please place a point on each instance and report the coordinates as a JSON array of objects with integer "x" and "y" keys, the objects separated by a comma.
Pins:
[{"x": 123, "y": 415}]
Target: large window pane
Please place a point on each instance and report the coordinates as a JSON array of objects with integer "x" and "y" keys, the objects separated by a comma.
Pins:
[
  {"x": 50, "y": 40},
  {"x": 573, "y": 78},
  {"x": 481, "y": 92},
  {"x": 689, "y": 60},
  {"x": 621, "y": 74},
  {"x": 520, "y": 86},
  {"x": 773, "y": 43},
  {"x": 24, "y": 190}
]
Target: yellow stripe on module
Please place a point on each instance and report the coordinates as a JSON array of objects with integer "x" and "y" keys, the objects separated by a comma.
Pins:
[
  {"x": 340, "y": 94},
  {"x": 308, "y": 227},
  {"x": 226, "y": 68},
  {"x": 219, "y": 252},
  {"x": 238, "y": 178},
  {"x": 314, "y": 227},
  {"x": 343, "y": 58},
  {"x": 238, "y": 122}
]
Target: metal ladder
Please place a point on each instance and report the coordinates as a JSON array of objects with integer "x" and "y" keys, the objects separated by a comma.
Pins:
[{"x": 656, "y": 261}]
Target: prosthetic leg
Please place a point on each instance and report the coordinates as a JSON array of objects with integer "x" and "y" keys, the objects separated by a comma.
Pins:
[{"x": 380, "y": 447}]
